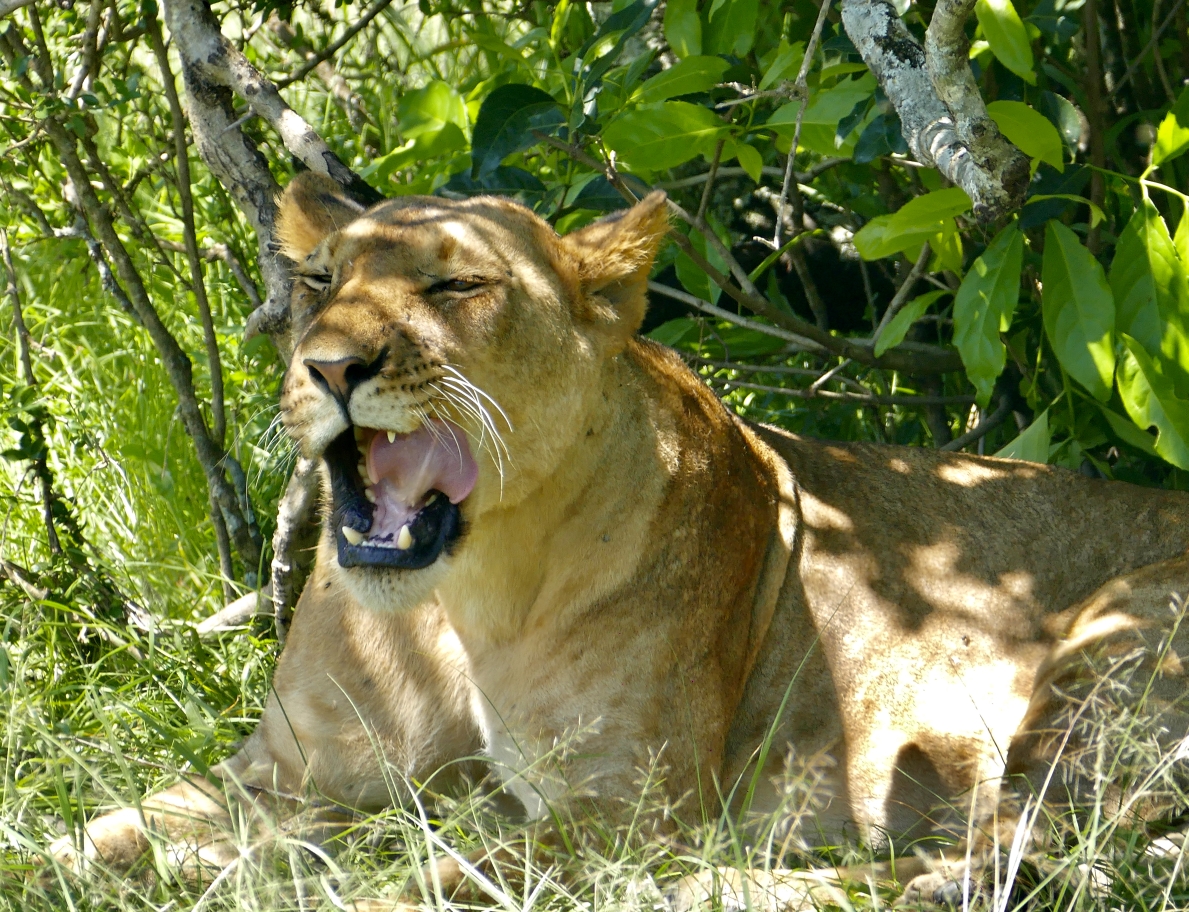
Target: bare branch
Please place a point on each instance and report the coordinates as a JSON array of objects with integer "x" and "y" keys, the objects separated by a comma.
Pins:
[
  {"x": 985, "y": 426},
  {"x": 706, "y": 307},
  {"x": 965, "y": 146},
  {"x": 314, "y": 60},
  {"x": 869, "y": 399},
  {"x": 213, "y": 69},
  {"x": 803, "y": 177},
  {"x": 190, "y": 234},
  {"x": 40, "y": 465},
  {"x": 912, "y": 359},
  {"x": 11, "y": 6},
  {"x": 902, "y": 293},
  {"x": 801, "y": 88},
  {"x": 293, "y": 513}
]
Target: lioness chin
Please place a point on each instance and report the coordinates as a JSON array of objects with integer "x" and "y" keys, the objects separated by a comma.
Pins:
[{"x": 538, "y": 523}]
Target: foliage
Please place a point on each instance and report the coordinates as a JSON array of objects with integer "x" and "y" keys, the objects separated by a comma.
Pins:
[{"x": 1072, "y": 316}]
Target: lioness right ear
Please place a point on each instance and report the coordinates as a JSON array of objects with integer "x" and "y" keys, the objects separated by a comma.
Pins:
[
  {"x": 614, "y": 256},
  {"x": 312, "y": 206}
]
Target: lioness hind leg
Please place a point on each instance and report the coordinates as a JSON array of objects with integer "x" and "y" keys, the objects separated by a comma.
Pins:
[
  {"x": 1108, "y": 717},
  {"x": 1110, "y": 704}
]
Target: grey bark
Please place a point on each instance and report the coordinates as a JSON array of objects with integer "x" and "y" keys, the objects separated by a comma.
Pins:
[{"x": 942, "y": 115}]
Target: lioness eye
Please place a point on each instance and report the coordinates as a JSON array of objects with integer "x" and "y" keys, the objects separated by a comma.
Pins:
[{"x": 454, "y": 285}]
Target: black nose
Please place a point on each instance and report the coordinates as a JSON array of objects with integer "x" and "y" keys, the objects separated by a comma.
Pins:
[{"x": 340, "y": 377}]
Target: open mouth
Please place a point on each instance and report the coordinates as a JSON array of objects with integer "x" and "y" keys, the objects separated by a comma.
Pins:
[{"x": 396, "y": 496}]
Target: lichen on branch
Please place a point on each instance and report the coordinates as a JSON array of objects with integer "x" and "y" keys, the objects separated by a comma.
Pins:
[{"x": 942, "y": 114}]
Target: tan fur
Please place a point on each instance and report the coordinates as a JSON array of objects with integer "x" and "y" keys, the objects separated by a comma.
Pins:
[{"x": 652, "y": 576}]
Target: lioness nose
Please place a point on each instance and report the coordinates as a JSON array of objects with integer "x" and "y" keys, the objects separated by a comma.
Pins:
[{"x": 338, "y": 377}]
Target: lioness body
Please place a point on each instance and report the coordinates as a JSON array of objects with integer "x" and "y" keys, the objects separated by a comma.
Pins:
[{"x": 641, "y": 571}]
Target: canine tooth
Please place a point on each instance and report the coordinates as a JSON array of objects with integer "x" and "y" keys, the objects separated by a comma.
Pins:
[
  {"x": 354, "y": 536},
  {"x": 392, "y": 436},
  {"x": 404, "y": 541},
  {"x": 370, "y": 495},
  {"x": 432, "y": 497}
]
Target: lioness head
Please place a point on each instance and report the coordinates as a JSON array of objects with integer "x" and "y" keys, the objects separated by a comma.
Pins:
[{"x": 447, "y": 355}]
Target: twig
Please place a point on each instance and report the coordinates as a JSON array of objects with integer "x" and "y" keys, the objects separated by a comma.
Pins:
[
  {"x": 902, "y": 293},
  {"x": 11, "y": 6},
  {"x": 921, "y": 359},
  {"x": 220, "y": 251},
  {"x": 190, "y": 235},
  {"x": 312, "y": 62},
  {"x": 700, "y": 219},
  {"x": 707, "y": 308},
  {"x": 348, "y": 99},
  {"x": 234, "y": 614},
  {"x": 41, "y": 467},
  {"x": 768, "y": 171},
  {"x": 829, "y": 375},
  {"x": 989, "y": 423},
  {"x": 871, "y": 399},
  {"x": 1095, "y": 114},
  {"x": 801, "y": 90},
  {"x": 90, "y": 45},
  {"x": 1152, "y": 42}
]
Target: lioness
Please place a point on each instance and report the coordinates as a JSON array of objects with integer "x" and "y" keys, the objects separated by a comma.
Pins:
[{"x": 538, "y": 523}]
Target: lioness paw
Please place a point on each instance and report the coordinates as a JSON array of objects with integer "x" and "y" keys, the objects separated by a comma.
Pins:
[{"x": 756, "y": 889}]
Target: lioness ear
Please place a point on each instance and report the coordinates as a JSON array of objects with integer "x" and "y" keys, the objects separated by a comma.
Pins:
[
  {"x": 312, "y": 206},
  {"x": 613, "y": 257}
]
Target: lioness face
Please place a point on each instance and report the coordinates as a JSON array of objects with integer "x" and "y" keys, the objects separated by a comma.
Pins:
[{"x": 445, "y": 355}]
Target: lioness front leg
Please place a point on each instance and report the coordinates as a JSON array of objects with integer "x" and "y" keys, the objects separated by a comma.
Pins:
[{"x": 360, "y": 700}]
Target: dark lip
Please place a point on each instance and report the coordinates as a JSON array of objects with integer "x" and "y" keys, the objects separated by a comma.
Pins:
[{"x": 436, "y": 528}]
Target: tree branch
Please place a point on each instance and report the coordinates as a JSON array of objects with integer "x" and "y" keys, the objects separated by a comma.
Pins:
[
  {"x": 963, "y": 143},
  {"x": 984, "y": 427},
  {"x": 911, "y": 359},
  {"x": 314, "y": 60}
]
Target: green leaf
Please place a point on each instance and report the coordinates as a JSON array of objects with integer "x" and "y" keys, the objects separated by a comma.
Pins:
[
  {"x": 1172, "y": 136},
  {"x": 1151, "y": 285},
  {"x": 691, "y": 276},
  {"x": 1126, "y": 431},
  {"x": 1007, "y": 36},
  {"x": 1143, "y": 269},
  {"x": 1032, "y": 445},
  {"x": 1181, "y": 239},
  {"x": 750, "y": 159},
  {"x": 826, "y": 109},
  {"x": 898, "y": 327},
  {"x": 918, "y": 221},
  {"x": 730, "y": 27},
  {"x": 693, "y": 74},
  {"x": 785, "y": 65},
  {"x": 1030, "y": 131},
  {"x": 1151, "y": 402},
  {"x": 1079, "y": 310},
  {"x": 683, "y": 28},
  {"x": 664, "y": 135},
  {"x": 429, "y": 109},
  {"x": 1096, "y": 213},
  {"x": 506, "y": 121},
  {"x": 448, "y": 138},
  {"x": 983, "y": 309}
]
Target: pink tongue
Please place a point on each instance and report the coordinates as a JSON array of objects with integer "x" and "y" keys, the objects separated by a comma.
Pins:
[{"x": 436, "y": 456}]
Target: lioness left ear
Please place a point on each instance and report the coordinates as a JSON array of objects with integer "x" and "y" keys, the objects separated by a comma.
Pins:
[
  {"x": 613, "y": 257},
  {"x": 312, "y": 207}
]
